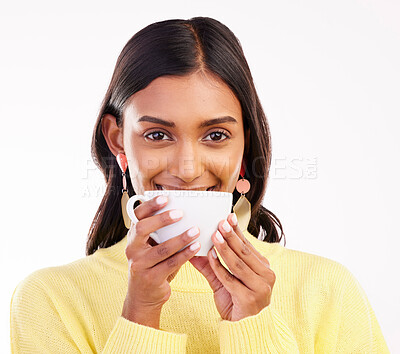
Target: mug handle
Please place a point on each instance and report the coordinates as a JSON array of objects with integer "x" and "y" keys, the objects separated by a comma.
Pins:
[{"x": 131, "y": 213}]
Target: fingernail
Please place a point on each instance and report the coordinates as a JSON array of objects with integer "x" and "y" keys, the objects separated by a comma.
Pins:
[
  {"x": 193, "y": 231},
  {"x": 161, "y": 200},
  {"x": 213, "y": 253},
  {"x": 226, "y": 227},
  {"x": 175, "y": 214},
  {"x": 194, "y": 246},
  {"x": 234, "y": 219},
  {"x": 219, "y": 237}
]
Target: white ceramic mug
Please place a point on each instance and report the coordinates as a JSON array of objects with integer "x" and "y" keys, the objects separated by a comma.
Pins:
[{"x": 204, "y": 209}]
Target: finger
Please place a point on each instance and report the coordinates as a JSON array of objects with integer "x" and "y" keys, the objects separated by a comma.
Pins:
[
  {"x": 149, "y": 207},
  {"x": 227, "y": 279},
  {"x": 242, "y": 250},
  {"x": 234, "y": 224},
  {"x": 172, "y": 264},
  {"x": 144, "y": 227},
  {"x": 235, "y": 264},
  {"x": 168, "y": 248}
]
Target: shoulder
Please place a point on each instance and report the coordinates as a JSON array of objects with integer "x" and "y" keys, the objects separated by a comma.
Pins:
[
  {"x": 47, "y": 305},
  {"x": 67, "y": 284},
  {"x": 319, "y": 264},
  {"x": 46, "y": 284},
  {"x": 316, "y": 273}
]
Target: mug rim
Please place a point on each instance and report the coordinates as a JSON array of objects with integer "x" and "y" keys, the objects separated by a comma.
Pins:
[{"x": 186, "y": 191}]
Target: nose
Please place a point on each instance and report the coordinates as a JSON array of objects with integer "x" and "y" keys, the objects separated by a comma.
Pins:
[{"x": 187, "y": 162}]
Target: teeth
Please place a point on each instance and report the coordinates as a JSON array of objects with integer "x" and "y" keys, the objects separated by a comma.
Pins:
[{"x": 159, "y": 187}]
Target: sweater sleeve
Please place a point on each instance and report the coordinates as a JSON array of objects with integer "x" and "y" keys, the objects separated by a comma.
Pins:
[
  {"x": 358, "y": 328},
  {"x": 38, "y": 325},
  {"x": 265, "y": 332},
  {"x": 131, "y": 337}
]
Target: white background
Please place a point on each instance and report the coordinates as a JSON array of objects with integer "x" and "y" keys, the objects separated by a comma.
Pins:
[{"x": 327, "y": 75}]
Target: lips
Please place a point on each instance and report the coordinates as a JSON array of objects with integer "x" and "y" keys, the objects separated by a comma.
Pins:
[{"x": 167, "y": 187}]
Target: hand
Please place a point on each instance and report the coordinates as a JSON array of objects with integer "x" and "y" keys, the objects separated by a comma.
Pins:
[
  {"x": 152, "y": 268},
  {"x": 248, "y": 289}
]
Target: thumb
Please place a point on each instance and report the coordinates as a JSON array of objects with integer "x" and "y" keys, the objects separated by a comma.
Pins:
[{"x": 172, "y": 276}]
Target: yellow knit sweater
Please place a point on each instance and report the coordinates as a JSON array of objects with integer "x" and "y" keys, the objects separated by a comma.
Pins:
[{"x": 317, "y": 306}]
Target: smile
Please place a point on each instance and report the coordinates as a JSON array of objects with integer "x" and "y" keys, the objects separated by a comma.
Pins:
[{"x": 166, "y": 187}]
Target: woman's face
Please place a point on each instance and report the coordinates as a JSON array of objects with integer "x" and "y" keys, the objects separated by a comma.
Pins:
[{"x": 182, "y": 133}]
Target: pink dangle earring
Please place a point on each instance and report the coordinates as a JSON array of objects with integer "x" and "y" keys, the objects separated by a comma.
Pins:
[
  {"x": 123, "y": 164},
  {"x": 242, "y": 208}
]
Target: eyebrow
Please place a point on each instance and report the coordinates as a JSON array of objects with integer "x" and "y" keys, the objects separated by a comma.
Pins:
[{"x": 206, "y": 123}]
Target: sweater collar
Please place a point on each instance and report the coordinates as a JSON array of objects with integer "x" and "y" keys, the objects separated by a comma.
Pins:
[{"x": 188, "y": 276}]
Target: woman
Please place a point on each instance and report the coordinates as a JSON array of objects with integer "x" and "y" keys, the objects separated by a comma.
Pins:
[{"x": 182, "y": 112}]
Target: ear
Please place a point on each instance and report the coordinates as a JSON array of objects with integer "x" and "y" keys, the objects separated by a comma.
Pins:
[{"x": 112, "y": 134}]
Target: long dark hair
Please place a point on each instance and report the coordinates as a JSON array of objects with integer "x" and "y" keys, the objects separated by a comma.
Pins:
[{"x": 181, "y": 47}]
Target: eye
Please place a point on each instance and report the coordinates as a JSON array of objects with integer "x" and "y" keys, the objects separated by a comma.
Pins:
[
  {"x": 217, "y": 134},
  {"x": 157, "y": 135}
]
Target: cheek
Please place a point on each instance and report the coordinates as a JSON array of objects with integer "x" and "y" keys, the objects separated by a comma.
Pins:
[
  {"x": 143, "y": 165},
  {"x": 226, "y": 168},
  {"x": 141, "y": 159},
  {"x": 151, "y": 164}
]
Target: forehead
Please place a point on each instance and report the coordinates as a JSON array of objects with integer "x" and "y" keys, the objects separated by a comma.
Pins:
[{"x": 197, "y": 96}]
